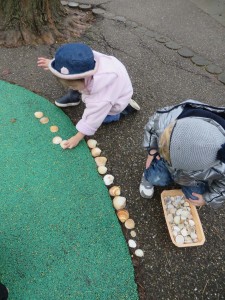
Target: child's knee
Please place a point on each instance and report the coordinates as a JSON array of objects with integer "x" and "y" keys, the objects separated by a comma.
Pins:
[{"x": 158, "y": 173}]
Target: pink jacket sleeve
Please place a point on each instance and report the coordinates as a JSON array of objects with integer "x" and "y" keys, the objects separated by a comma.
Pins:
[{"x": 93, "y": 116}]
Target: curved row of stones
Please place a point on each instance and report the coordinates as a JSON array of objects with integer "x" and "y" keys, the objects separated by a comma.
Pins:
[{"x": 183, "y": 51}]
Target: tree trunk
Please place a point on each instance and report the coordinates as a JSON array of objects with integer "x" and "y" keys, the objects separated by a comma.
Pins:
[{"x": 29, "y": 22}]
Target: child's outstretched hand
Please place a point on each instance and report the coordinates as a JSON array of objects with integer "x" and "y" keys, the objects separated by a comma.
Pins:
[
  {"x": 73, "y": 141},
  {"x": 43, "y": 62}
]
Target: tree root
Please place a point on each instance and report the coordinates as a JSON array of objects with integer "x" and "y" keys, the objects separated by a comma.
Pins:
[{"x": 73, "y": 25}]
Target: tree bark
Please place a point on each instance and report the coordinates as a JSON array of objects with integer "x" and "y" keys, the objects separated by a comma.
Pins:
[{"x": 29, "y": 22}]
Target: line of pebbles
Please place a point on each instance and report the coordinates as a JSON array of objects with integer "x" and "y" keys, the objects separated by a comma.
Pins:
[
  {"x": 119, "y": 202},
  {"x": 57, "y": 140},
  {"x": 183, "y": 51}
]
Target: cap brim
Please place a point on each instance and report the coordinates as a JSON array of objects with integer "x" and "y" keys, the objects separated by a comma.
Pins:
[{"x": 73, "y": 76}]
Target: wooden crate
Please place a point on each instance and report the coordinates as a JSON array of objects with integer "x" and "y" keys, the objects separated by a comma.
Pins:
[{"x": 194, "y": 212}]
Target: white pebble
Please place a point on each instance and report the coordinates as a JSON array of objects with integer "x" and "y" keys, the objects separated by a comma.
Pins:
[
  {"x": 176, "y": 220},
  {"x": 180, "y": 239},
  {"x": 184, "y": 232},
  {"x": 173, "y": 211},
  {"x": 176, "y": 228},
  {"x": 191, "y": 222},
  {"x": 175, "y": 233},
  {"x": 188, "y": 240},
  {"x": 181, "y": 226},
  {"x": 132, "y": 244},
  {"x": 133, "y": 233},
  {"x": 179, "y": 212},
  {"x": 185, "y": 214},
  {"x": 194, "y": 235},
  {"x": 169, "y": 206},
  {"x": 139, "y": 253}
]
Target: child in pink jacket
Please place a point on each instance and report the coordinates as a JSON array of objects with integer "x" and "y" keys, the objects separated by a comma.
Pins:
[{"x": 101, "y": 80}]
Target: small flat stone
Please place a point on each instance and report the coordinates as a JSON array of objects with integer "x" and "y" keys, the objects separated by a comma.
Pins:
[
  {"x": 221, "y": 77},
  {"x": 185, "y": 52},
  {"x": 64, "y": 2},
  {"x": 213, "y": 69},
  {"x": 85, "y": 6},
  {"x": 172, "y": 45},
  {"x": 200, "y": 61},
  {"x": 162, "y": 39},
  {"x": 139, "y": 253},
  {"x": 98, "y": 11},
  {"x": 120, "y": 19},
  {"x": 151, "y": 33},
  {"x": 73, "y": 4}
]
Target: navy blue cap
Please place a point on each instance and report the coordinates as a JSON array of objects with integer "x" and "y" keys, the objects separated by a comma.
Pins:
[{"x": 73, "y": 61}]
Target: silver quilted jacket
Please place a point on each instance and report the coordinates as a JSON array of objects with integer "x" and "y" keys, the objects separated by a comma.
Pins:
[{"x": 215, "y": 176}]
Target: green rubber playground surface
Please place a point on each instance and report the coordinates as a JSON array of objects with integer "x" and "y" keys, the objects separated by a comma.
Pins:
[{"x": 59, "y": 235}]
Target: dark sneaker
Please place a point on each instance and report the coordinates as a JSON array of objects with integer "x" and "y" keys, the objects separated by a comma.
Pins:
[
  {"x": 72, "y": 98},
  {"x": 131, "y": 107},
  {"x": 146, "y": 188}
]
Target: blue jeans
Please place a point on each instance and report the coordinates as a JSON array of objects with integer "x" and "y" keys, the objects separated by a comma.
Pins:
[
  {"x": 158, "y": 174},
  {"x": 200, "y": 188},
  {"x": 111, "y": 118}
]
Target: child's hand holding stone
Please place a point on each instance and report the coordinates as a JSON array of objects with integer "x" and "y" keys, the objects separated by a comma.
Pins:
[{"x": 73, "y": 141}]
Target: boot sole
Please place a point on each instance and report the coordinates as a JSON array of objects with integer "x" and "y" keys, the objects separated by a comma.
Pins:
[
  {"x": 66, "y": 105},
  {"x": 146, "y": 196},
  {"x": 134, "y": 104}
]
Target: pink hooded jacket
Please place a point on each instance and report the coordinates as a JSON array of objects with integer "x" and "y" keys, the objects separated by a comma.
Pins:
[{"x": 107, "y": 92}]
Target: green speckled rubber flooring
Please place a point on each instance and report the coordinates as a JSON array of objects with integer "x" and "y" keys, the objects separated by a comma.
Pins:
[{"x": 59, "y": 235}]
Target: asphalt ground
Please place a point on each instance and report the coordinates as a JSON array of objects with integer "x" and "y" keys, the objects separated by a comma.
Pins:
[{"x": 160, "y": 77}]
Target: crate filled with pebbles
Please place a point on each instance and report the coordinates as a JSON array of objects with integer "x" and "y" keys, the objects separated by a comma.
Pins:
[{"x": 182, "y": 219}]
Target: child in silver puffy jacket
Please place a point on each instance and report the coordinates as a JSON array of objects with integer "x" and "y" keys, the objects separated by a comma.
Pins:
[{"x": 186, "y": 145}]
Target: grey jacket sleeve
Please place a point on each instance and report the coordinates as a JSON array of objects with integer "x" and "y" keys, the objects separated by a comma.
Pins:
[
  {"x": 150, "y": 133},
  {"x": 215, "y": 197}
]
